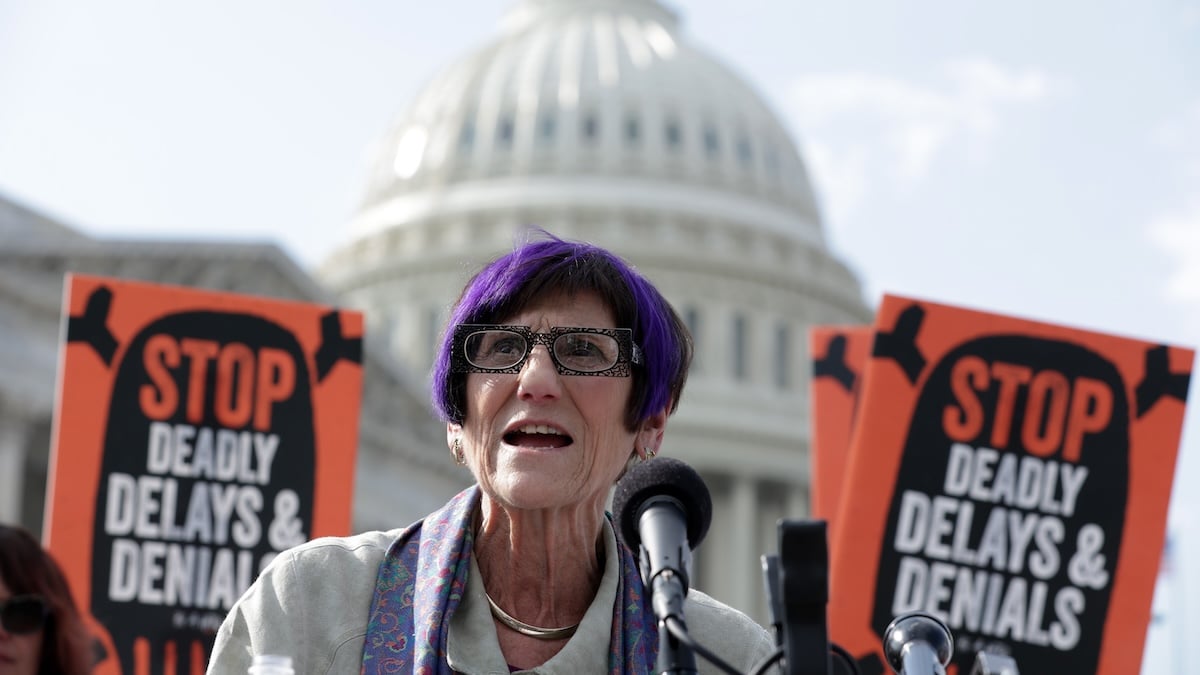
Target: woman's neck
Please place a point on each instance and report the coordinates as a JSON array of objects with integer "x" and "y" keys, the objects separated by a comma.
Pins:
[{"x": 542, "y": 567}]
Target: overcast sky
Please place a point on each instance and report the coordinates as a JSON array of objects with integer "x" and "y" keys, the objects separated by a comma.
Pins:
[{"x": 1027, "y": 157}]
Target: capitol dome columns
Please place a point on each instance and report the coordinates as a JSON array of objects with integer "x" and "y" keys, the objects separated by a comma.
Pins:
[
  {"x": 747, "y": 581},
  {"x": 20, "y": 429},
  {"x": 747, "y": 506},
  {"x": 12, "y": 467}
]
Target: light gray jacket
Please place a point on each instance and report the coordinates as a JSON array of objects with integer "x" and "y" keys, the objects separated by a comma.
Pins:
[{"x": 312, "y": 604}]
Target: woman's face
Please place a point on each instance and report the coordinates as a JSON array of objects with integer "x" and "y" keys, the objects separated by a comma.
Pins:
[
  {"x": 19, "y": 654},
  {"x": 541, "y": 440}
]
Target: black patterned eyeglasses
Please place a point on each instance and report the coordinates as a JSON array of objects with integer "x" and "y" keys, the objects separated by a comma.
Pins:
[{"x": 486, "y": 348}]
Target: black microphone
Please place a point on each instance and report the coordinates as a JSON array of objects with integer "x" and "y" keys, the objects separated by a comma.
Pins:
[
  {"x": 664, "y": 510},
  {"x": 918, "y": 644},
  {"x": 663, "y": 506}
]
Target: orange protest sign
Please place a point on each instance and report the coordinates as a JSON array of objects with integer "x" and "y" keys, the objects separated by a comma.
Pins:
[
  {"x": 1011, "y": 478},
  {"x": 196, "y": 435},
  {"x": 839, "y": 356}
]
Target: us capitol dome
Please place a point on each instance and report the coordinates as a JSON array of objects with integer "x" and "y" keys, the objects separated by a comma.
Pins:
[{"x": 599, "y": 120}]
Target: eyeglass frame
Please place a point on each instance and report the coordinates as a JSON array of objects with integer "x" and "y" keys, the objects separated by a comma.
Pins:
[
  {"x": 45, "y": 613},
  {"x": 628, "y": 352}
]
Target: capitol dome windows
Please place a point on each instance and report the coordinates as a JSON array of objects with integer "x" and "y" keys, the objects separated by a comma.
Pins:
[
  {"x": 546, "y": 129},
  {"x": 633, "y": 129},
  {"x": 739, "y": 358},
  {"x": 712, "y": 142},
  {"x": 673, "y": 134},
  {"x": 466, "y": 137},
  {"x": 783, "y": 356},
  {"x": 745, "y": 153},
  {"x": 504, "y": 133},
  {"x": 589, "y": 128}
]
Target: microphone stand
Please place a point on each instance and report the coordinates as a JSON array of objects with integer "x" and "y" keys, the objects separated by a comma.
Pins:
[{"x": 675, "y": 657}]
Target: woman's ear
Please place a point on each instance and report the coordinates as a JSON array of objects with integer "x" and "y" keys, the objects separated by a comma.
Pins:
[
  {"x": 650, "y": 433},
  {"x": 453, "y": 431}
]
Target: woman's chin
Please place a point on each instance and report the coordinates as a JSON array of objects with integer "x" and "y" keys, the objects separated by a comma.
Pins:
[
  {"x": 540, "y": 478},
  {"x": 532, "y": 492}
]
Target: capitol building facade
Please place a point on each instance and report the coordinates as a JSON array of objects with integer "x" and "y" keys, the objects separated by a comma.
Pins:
[{"x": 592, "y": 119}]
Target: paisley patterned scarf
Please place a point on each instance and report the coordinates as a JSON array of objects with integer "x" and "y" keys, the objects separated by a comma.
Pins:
[{"x": 424, "y": 575}]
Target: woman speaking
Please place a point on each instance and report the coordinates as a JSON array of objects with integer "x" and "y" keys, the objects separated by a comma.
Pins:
[{"x": 559, "y": 367}]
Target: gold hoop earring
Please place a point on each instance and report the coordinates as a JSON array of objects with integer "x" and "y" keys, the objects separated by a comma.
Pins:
[
  {"x": 456, "y": 451},
  {"x": 650, "y": 452}
]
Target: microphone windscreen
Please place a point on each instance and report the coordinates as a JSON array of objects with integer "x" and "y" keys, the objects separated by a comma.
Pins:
[{"x": 662, "y": 476}]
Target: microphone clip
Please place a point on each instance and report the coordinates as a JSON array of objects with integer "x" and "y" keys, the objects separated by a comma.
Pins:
[{"x": 797, "y": 585}]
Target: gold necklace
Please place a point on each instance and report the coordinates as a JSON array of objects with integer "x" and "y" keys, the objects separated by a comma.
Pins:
[{"x": 526, "y": 629}]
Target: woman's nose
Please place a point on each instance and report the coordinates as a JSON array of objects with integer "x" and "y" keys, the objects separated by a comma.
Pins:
[{"x": 539, "y": 377}]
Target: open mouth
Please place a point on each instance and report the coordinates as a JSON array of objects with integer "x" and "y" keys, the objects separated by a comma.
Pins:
[{"x": 537, "y": 436}]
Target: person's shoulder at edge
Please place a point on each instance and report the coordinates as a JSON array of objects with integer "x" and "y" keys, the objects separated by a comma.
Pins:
[
  {"x": 311, "y": 603},
  {"x": 728, "y": 632}
]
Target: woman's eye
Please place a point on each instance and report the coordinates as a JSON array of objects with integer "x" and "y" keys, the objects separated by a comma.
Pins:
[
  {"x": 508, "y": 346},
  {"x": 579, "y": 347},
  {"x": 584, "y": 349}
]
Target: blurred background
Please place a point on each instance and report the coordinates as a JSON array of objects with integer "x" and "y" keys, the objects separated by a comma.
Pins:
[{"x": 1030, "y": 158}]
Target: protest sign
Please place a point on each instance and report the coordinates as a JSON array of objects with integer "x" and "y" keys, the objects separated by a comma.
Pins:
[
  {"x": 1011, "y": 478},
  {"x": 196, "y": 435},
  {"x": 839, "y": 355}
]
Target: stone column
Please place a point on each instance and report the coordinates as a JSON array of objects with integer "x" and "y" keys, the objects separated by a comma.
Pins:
[
  {"x": 797, "y": 506},
  {"x": 13, "y": 437},
  {"x": 746, "y": 584}
]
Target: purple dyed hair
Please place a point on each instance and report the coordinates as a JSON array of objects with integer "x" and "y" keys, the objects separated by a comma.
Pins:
[{"x": 513, "y": 281}]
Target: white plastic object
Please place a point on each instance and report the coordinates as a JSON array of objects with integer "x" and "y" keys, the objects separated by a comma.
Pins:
[{"x": 271, "y": 664}]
